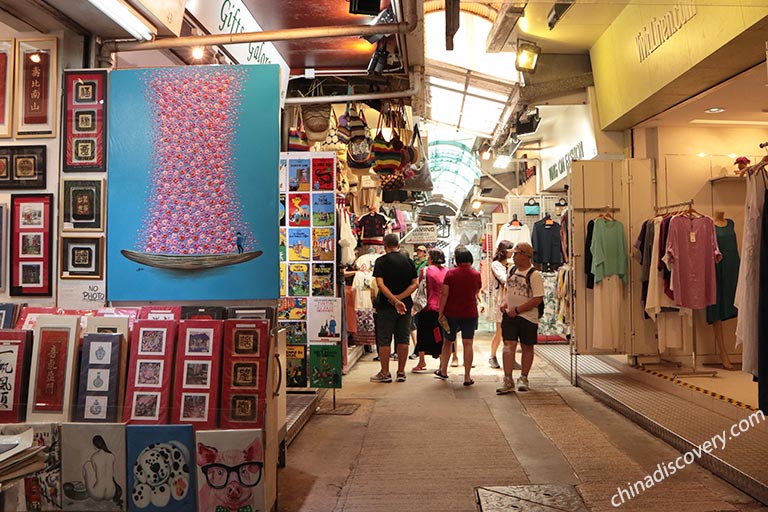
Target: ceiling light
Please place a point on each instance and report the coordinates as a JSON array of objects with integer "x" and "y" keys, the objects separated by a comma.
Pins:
[
  {"x": 732, "y": 155},
  {"x": 476, "y": 204},
  {"x": 124, "y": 16},
  {"x": 485, "y": 150},
  {"x": 702, "y": 155},
  {"x": 714, "y": 110},
  {"x": 527, "y": 56},
  {"x": 198, "y": 52}
]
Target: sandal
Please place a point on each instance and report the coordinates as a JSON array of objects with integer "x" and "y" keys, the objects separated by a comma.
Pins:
[
  {"x": 400, "y": 377},
  {"x": 469, "y": 382},
  {"x": 439, "y": 375},
  {"x": 418, "y": 369}
]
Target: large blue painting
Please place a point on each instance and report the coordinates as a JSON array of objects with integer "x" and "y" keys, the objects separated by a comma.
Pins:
[{"x": 192, "y": 187}]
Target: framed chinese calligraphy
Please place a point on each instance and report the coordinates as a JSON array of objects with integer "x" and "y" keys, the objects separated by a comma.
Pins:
[
  {"x": 36, "y": 71},
  {"x": 31, "y": 238},
  {"x": 82, "y": 205},
  {"x": 82, "y": 257},
  {"x": 22, "y": 167},
  {"x": 6, "y": 86},
  {"x": 84, "y": 142}
]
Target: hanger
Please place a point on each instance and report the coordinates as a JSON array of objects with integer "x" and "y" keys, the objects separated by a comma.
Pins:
[
  {"x": 514, "y": 221},
  {"x": 548, "y": 219}
]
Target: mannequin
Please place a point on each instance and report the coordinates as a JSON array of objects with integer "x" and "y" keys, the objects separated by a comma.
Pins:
[{"x": 717, "y": 325}]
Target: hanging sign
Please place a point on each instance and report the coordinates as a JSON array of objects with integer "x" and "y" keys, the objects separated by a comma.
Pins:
[
  {"x": 233, "y": 17},
  {"x": 426, "y": 234}
]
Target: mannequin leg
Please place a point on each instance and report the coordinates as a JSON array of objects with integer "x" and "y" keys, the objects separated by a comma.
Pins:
[{"x": 717, "y": 327}]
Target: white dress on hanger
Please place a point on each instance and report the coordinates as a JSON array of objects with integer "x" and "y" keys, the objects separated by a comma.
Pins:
[
  {"x": 514, "y": 234},
  {"x": 747, "y": 292}
]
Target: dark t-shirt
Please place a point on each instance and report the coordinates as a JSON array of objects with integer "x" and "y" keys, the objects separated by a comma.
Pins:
[
  {"x": 463, "y": 284},
  {"x": 398, "y": 272}
]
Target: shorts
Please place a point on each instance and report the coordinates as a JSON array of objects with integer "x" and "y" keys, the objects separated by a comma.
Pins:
[
  {"x": 467, "y": 326},
  {"x": 415, "y": 321},
  {"x": 519, "y": 329},
  {"x": 389, "y": 323}
]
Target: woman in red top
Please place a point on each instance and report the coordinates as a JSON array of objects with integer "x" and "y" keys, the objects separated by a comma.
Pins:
[{"x": 458, "y": 304}]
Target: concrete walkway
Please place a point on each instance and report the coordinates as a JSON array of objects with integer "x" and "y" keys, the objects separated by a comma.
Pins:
[{"x": 426, "y": 445}]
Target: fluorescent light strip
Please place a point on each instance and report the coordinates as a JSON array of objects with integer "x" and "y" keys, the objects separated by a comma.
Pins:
[
  {"x": 723, "y": 121},
  {"x": 121, "y": 14}
]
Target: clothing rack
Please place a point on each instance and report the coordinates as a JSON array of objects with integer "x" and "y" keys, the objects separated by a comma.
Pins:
[
  {"x": 689, "y": 204},
  {"x": 600, "y": 209}
]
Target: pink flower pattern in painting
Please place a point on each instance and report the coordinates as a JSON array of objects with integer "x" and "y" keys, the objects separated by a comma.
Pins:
[{"x": 192, "y": 205}]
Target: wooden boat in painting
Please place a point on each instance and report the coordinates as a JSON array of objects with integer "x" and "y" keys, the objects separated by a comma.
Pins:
[{"x": 189, "y": 262}]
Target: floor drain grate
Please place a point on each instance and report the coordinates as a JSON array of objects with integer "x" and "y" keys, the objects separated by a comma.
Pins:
[
  {"x": 530, "y": 498},
  {"x": 340, "y": 410}
]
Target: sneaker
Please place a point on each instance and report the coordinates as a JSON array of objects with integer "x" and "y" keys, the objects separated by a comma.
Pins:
[
  {"x": 522, "y": 383},
  {"x": 381, "y": 377},
  {"x": 494, "y": 363},
  {"x": 413, "y": 356},
  {"x": 517, "y": 366},
  {"x": 508, "y": 387},
  {"x": 400, "y": 377}
]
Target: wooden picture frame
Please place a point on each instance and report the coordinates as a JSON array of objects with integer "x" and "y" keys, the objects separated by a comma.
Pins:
[
  {"x": 31, "y": 218},
  {"x": 3, "y": 244},
  {"x": 23, "y": 167},
  {"x": 35, "y": 102},
  {"x": 82, "y": 205},
  {"x": 82, "y": 257},
  {"x": 84, "y": 121},
  {"x": 7, "y": 55}
]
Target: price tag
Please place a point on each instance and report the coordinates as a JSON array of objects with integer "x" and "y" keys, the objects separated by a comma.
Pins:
[{"x": 693, "y": 237}]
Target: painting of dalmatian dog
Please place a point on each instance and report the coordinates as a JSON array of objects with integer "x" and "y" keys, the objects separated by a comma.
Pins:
[
  {"x": 160, "y": 458},
  {"x": 230, "y": 470}
]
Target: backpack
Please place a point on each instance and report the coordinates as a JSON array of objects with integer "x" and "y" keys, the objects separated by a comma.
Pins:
[{"x": 540, "y": 307}]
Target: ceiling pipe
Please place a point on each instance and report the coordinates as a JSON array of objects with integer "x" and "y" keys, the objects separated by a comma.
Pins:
[
  {"x": 414, "y": 77},
  {"x": 289, "y": 34}
]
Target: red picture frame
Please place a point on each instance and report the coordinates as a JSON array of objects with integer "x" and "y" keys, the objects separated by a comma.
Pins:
[
  {"x": 15, "y": 356},
  {"x": 52, "y": 370},
  {"x": 31, "y": 245},
  {"x": 84, "y": 121}
]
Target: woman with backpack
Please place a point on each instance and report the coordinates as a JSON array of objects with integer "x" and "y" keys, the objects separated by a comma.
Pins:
[
  {"x": 499, "y": 270},
  {"x": 520, "y": 321}
]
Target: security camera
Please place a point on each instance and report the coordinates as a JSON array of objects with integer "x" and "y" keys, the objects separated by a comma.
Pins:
[{"x": 552, "y": 18}]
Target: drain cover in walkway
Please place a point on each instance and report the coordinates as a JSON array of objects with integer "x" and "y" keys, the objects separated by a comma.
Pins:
[
  {"x": 530, "y": 498},
  {"x": 340, "y": 410}
]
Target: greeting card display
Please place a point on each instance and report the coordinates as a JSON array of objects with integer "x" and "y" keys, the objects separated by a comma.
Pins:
[
  {"x": 296, "y": 366},
  {"x": 52, "y": 377},
  {"x": 292, "y": 308},
  {"x": 160, "y": 312},
  {"x": 299, "y": 244},
  {"x": 323, "y": 319},
  {"x": 99, "y": 397},
  {"x": 230, "y": 465},
  {"x": 298, "y": 210},
  {"x": 322, "y": 173},
  {"x": 323, "y": 280},
  {"x": 283, "y": 245},
  {"x": 298, "y": 175},
  {"x": 160, "y": 459},
  {"x": 323, "y": 243},
  {"x": 298, "y": 279},
  {"x": 198, "y": 367},
  {"x": 323, "y": 205},
  {"x": 244, "y": 373},
  {"x": 93, "y": 466},
  {"x": 295, "y": 332},
  {"x": 282, "y": 212},
  {"x": 15, "y": 355},
  {"x": 149, "y": 378}
]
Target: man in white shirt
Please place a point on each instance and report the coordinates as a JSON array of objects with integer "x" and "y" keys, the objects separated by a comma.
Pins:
[{"x": 520, "y": 320}]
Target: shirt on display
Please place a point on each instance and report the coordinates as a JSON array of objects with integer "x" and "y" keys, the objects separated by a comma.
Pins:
[
  {"x": 609, "y": 250},
  {"x": 514, "y": 234},
  {"x": 546, "y": 242}
]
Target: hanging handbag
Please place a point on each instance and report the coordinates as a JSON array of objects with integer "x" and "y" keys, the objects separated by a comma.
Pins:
[
  {"x": 386, "y": 159},
  {"x": 531, "y": 207},
  {"x": 421, "y": 180},
  {"x": 297, "y": 137},
  {"x": 342, "y": 128},
  {"x": 331, "y": 142},
  {"x": 316, "y": 116},
  {"x": 420, "y": 297}
]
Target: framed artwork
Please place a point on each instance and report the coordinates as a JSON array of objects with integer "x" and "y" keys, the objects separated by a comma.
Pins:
[
  {"x": 82, "y": 257},
  {"x": 84, "y": 141},
  {"x": 22, "y": 167},
  {"x": 82, "y": 205},
  {"x": 152, "y": 341},
  {"x": 35, "y": 103},
  {"x": 6, "y": 87},
  {"x": 30, "y": 248},
  {"x": 3, "y": 248}
]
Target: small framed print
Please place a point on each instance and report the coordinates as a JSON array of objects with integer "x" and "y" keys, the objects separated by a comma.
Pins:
[
  {"x": 95, "y": 407},
  {"x": 31, "y": 245},
  {"x": 149, "y": 373},
  {"x": 146, "y": 406},
  {"x": 100, "y": 353},
  {"x": 35, "y": 102},
  {"x": 152, "y": 341},
  {"x": 23, "y": 167},
  {"x": 6, "y": 86},
  {"x": 243, "y": 408},
  {"x": 199, "y": 342},
  {"x": 30, "y": 251},
  {"x": 245, "y": 375},
  {"x": 194, "y": 406},
  {"x": 82, "y": 257},
  {"x": 197, "y": 374},
  {"x": 98, "y": 380},
  {"x": 84, "y": 141},
  {"x": 247, "y": 342},
  {"x": 82, "y": 205}
]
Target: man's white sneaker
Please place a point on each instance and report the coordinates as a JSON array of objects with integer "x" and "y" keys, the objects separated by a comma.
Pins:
[
  {"x": 522, "y": 383},
  {"x": 508, "y": 387}
]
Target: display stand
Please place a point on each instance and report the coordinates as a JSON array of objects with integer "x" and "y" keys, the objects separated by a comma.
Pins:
[{"x": 694, "y": 371}]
